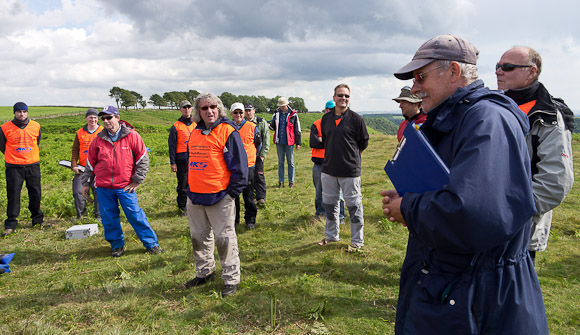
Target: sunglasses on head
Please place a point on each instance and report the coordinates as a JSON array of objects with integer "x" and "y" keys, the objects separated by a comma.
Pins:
[
  {"x": 107, "y": 117},
  {"x": 343, "y": 95},
  {"x": 204, "y": 108},
  {"x": 507, "y": 67}
]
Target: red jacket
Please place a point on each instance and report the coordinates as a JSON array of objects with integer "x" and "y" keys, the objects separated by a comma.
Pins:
[
  {"x": 116, "y": 164},
  {"x": 419, "y": 119}
]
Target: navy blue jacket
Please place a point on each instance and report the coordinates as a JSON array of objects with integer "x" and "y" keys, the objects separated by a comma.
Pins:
[{"x": 467, "y": 268}]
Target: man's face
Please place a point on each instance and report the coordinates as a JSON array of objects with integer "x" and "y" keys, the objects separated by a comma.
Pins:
[
  {"x": 208, "y": 111},
  {"x": 434, "y": 87},
  {"x": 249, "y": 114},
  {"x": 21, "y": 115},
  {"x": 238, "y": 116},
  {"x": 408, "y": 109},
  {"x": 284, "y": 108},
  {"x": 92, "y": 120},
  {"x": 519, "y": 77},
  {"x": 341, "y": 97},
  {"x": 185, "y": 111},
  {"x": 110, "y": 122}
]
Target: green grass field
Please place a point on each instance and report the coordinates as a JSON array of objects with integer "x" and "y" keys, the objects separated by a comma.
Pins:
[{"x": 289, "y": 284}]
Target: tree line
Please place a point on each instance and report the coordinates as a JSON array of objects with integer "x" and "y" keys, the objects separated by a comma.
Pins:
[{"x": 131, "y": 99}]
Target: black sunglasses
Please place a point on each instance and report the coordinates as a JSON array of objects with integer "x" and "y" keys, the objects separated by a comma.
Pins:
[
  {"x": 507, "y": 67},
  {"x": 238, "y": 113},
  {"x": 343, "y": 95},
  {"x": 106, "y": 117},
  {"x": 204, "y": 108}
]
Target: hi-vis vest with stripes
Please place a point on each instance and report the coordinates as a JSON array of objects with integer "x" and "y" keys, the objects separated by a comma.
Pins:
[
  {"x": 21, "y": 144},
  {"x": 85, "y": 140},
  {"x": 247, "y": 133},
  {"x": 207, "y": 169},
  {"x": 183, "y": 133},
  {"x": 318, "y": 153}
]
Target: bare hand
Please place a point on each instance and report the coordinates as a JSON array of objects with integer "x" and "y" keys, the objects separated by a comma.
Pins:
[
  {"x": 174, "y": 167},
  {"x": 297, "y": 146},
  {"x": 77, "y": 170},
  {"x": 392, "y": 206},
  {"x": 131, "y": 187}
]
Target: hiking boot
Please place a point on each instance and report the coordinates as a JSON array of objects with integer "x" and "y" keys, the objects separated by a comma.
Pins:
[
  {"x": 182, "y": 213},
  {"x": 229, "y": 290},
  {"x": 7, "y": 232},
  {"x": 280, "y": 185},
  {"x": 118, "y": 252},
  {"x": 197, "y": 281},
  {"x": 291, "y": 185},
  {"x": 261, "y": 201},
  {"x": 250, "y": 226},
  {"x": 155, "y": 250}
]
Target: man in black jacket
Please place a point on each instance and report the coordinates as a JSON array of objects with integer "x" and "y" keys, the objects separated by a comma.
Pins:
[{"x": 345, "y": 136}]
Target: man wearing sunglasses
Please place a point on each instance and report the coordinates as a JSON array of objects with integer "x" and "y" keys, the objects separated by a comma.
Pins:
[
  {"x": 251, "y": 139},
  {"x": 550, "y": 138},
  {"x": 117, "y": 164},
  {"x": 467, "y": 269},
  {"x": 177, "y": 143}
]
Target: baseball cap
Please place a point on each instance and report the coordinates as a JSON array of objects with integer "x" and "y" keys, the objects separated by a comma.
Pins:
[
  {"x": 109, "y": 110},
  {"x": 184, "y": 103},
  {"x": 407, "y": 96},
  {"x": 20, "y": 106},
  {"x": 330, "y": 104},
  {"x": 249, "y": 106},
  {"x": 442, "y": 47},
  {"x": 91, "y": 111},
  {"x": 237, "y": 105}
]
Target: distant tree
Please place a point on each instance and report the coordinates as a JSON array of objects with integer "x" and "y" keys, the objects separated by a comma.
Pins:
[
  {"x": 191, "y": 95},
  {"x": 143, "y": 104},
  {"x": 273, "y": 104},
  {"x": 228, "y": 99},
  {"x": 128, "y": 99},
  {"x": 173, "y": 98},
  {"x": 138, "y": 98},
  {"x": 115, "y": 93},
  {"x": 298, "y": 104},
  {"x": 381, "y": 124},
  {"x": 260, "y": 103},
  {"x": 157, "y": 100}
]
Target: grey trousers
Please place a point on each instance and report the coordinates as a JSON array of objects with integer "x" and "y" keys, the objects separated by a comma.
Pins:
[
  {"x": 207, "y": 223},
  {"x": 351, "y": 190}
]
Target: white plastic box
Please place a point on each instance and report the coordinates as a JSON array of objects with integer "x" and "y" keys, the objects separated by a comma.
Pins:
[{"x": 81, "y": 231}]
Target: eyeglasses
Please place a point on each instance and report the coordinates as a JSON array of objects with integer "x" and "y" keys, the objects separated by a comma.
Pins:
[
  {"x": 238, "y": 113},
  {"x": 507, "y": 67},
  {"x": 204, "y": 108},
  {"x": 107, "y": 117},
  {"x": 343, "y": 95},
  {"x": 188, "y": 107},
  {"x": 420, "y": 77}
]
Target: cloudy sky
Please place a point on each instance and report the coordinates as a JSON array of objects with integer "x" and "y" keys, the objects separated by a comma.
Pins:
[{"x": 71, "y": 52}]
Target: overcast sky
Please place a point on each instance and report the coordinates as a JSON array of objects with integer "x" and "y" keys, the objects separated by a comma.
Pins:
[{"x": 71, "y": 52}]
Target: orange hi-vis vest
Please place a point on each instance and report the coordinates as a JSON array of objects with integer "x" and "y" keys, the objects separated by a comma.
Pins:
[
  {"x": 527, "y": 106},
  {"x": 183, "y": 133},
  {"x": 21, "y": 144},
  {"x": 318, "y": 153},
  {"x": 85, "y": 140},
  {"x": 207, "y": 169},
  {"x": 247, "y": 133}
]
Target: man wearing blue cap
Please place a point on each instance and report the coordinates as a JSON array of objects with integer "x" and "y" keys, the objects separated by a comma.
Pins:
[
  {"x": 117, "y": 163},
  {"x": 19, "y": 141}
]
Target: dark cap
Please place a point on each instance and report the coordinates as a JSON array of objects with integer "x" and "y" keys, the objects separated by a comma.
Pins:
[
  {"x": 407, "y": 96},
  {"x": 248, "y": 106},
  {"x": 184, "y": 103},
  {"x": 92, "y": 112},
  {"x": 109, "y": 110},
  {"x": 20, "y": 106},
  {"x": 442, "y": 47}
]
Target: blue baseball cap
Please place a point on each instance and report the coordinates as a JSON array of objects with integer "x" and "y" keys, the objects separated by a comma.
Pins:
[
  {"x": 330, "y": 104},
  {"x": 109, "y": 110}
]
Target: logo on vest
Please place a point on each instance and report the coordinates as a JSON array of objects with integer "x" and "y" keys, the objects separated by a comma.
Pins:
[
  {"x": 24, "y": 149},
  {"x": 199, "y": 166}
]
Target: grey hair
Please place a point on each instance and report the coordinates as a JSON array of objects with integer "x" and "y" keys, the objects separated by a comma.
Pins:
[
  {"x": 534, "y": 59},
  {"x": 468, "y": 71},
  {"x": 212, "y": 98}
]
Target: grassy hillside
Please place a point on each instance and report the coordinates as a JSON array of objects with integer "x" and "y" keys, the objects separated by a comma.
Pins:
[{"x": 289, "y": 284}]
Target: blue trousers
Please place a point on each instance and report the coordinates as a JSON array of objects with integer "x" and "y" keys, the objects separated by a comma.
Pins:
[
  {"x": 109, "y": 200},
  {"x": 285, "y": 151}
]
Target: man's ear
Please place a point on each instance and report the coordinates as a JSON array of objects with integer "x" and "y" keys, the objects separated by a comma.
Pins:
[{"x": 455, "y": 69}]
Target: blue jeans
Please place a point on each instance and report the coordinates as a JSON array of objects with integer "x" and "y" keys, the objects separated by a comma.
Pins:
[
  {"x": 285, "y": 151},
  {"x": 109, "y": 200},
  {"x": 318, "y": 204}
]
